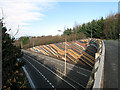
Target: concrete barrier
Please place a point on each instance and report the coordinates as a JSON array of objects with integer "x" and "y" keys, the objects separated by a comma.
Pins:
[
  {"x": 99, "y": 72},
  {"x": 95, "y": 80}
]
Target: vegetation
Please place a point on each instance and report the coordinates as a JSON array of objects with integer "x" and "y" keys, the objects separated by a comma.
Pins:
[
  {"x": 12, "y": 73},
  {"x": 43, "y": 40},
  {"x": 103, "y": 29}
]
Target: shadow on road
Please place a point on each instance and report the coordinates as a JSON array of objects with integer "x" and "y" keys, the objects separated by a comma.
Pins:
[{"x": 76, "y": 76}]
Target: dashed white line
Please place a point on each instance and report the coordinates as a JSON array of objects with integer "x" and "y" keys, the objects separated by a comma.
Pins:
[
  {"x": 48, "y": 81},
  {"x": 53, "y": 86},
  {"x": 38, "y": 71},
  {"x": 52, "y": 72},
  {"x": 53, "y": 59}
]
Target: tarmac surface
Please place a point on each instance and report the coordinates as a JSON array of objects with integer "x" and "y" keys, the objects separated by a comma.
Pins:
[
  {"x": 111, "y": 64},
  {"x": 48, "y": 72}
]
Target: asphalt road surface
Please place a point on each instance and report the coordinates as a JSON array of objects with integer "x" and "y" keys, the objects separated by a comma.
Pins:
[
  {"x": 111, "y": 64},
  {"x": 47, "y": 72}
]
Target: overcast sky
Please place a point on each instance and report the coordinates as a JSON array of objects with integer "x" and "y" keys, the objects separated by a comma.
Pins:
[{"x": 42, "y": 17}]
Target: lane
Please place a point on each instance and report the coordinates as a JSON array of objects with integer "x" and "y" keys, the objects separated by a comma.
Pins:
[
  {"x": 57, "y": 81},
  {"x": 79, "y": 75},
  {"x": 44, "y": 59},
  {"x": 111, "y": 64},
  {"x": 37, "y": 79}
]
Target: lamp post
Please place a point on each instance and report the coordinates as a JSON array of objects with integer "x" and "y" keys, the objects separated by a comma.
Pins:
[
  {"x": 119, "y": 37},
  {"x": 115, "y": 27},
  {"x": 65, "y": 52},
  {"x": 91, "y": 32}
]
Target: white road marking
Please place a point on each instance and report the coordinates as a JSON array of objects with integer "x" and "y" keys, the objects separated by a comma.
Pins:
[
  {"x": 37, "y": 70},
  {"x": 53, "y": 59},
  {"x": 71, "y": 79},
  {"x": 79, "y": 67},
  {"x": 52, "y": 72},
  {"x": 61, "y": 65},
  {"x": 29, "y": 79},
  {"x": 82, "y": 74},
  {"x": 48, "y": 81},
  {"x": 70, "y": 68},
  {"x": 53, "y": 86}
]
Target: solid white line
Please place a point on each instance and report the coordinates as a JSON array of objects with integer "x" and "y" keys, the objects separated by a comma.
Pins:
[
  {"x": 36, "y": 69},
  {"x": 69, "y": 68},
  {"x": 79, "y": 67},
  {"x": 82, "y": 73},
  {"x": 51, "y": 61},
  {"x": 58, "y": 61},
  {"x": 71, "y": 79},
  {"x": 29, "y": 79},
  {"x": 61, "y": 65},
  {"x": 51, "y": 71}
]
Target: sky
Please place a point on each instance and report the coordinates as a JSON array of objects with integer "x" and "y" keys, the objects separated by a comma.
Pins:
[{"x": 43, "y": 17}]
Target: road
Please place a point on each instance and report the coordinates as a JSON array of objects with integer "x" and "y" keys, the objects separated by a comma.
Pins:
[
  {"x": 111, "y": 64},
  {"x": 47, "y": 72}
]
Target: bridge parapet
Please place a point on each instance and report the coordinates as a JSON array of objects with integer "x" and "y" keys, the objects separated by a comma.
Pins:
[{"x": 96, "y": 78}]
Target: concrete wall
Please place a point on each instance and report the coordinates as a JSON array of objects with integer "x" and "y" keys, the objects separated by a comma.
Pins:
[{"x": 95, "y": 80}]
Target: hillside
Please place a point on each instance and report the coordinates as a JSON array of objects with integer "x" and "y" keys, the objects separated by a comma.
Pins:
[{"x": 77, "y": 52}]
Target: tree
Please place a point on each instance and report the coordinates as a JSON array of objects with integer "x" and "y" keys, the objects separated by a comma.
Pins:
[
  {"x": 111, "y": 27},
  {"x": 68, "y": 31},
  {"x": 11, "y": 75},
  {"x": 100, "y": 28}
]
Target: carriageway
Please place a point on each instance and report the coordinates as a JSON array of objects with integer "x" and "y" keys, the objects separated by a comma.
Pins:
[{"x": 90, "y": 54}]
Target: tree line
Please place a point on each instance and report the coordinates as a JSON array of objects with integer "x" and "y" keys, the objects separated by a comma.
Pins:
[
  {"x": 103, "y": 28},
  {"x": 107, "y": 28}
]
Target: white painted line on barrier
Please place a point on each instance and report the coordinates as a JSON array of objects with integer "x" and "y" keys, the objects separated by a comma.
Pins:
[{"x": 29, "y": 79}]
